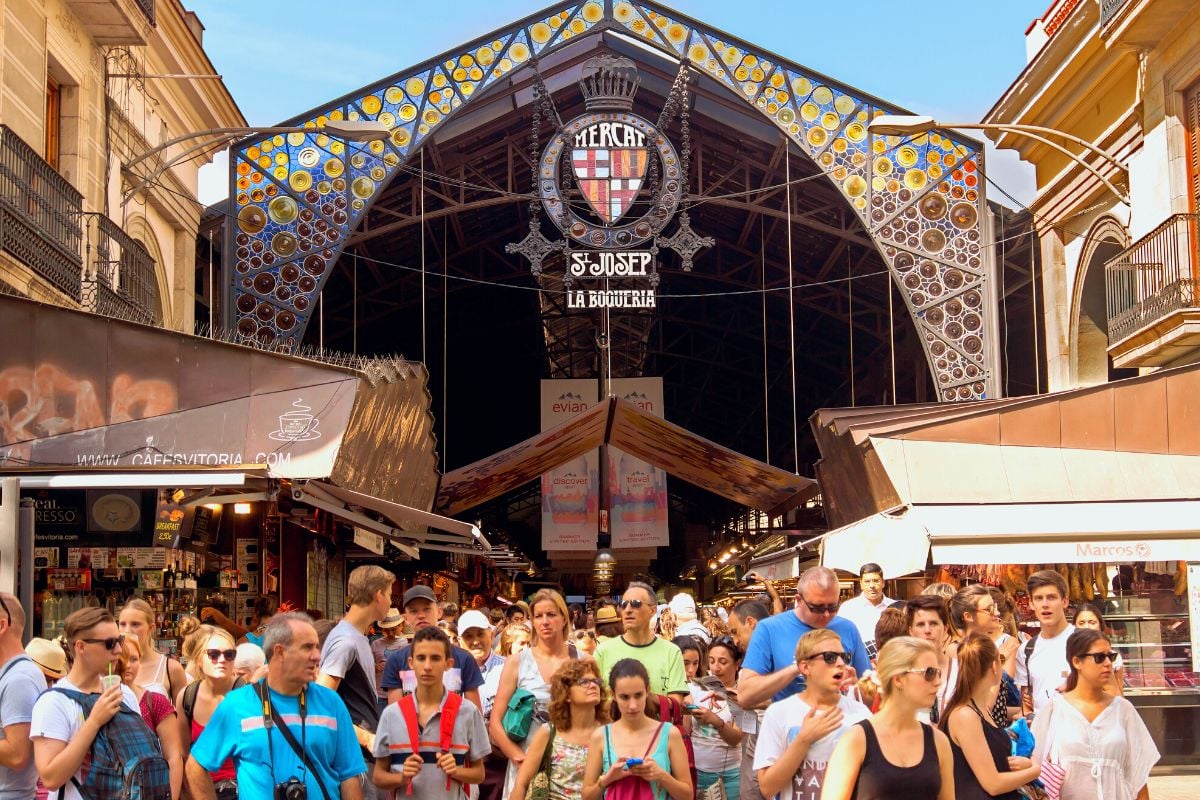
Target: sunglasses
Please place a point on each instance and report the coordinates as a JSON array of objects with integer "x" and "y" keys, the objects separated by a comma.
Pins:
[
  {"x": 931, "y": 673},
  {"x": 215, "y": 655},
  {"x": 584, "y": 634},
  {"x": 831, "y": 608},
  {"x": 585, "y": 682},
  {"x": 634, "y": 604},
  {"x": 109, "y": 643},
  {"x": 1100, "y": 658},
  {"x": 831, "y": 657}
]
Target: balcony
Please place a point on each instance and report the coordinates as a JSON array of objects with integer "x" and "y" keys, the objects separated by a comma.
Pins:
[
  {"x": 1109, "y": 9},
  {"x": 115, "y": 22},
  {"x": 1140, "y": 23},
  {"x": 39, "y": 215},
  {"x": 1153, "y": 296},
  {"x": 121, "y": 280}
]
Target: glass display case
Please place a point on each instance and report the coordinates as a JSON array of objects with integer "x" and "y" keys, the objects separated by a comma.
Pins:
[{"x": 1151, "y": 632}]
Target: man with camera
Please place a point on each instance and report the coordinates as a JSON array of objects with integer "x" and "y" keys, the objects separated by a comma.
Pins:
[{"x": 289, "y": 737}]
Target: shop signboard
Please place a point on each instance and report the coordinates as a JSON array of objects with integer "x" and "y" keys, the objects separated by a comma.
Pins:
[
  {"x": 570, "y": 492},
  {"x": 60, "y": 515},
  {"x": 1073, "y": 551},
  {"x": 637, "y": 491}
]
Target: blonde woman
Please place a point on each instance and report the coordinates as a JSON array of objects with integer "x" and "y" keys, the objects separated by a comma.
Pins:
[
  {"x": 515, "y": 639},
  {"x": 157, "y": 672},
  {"x": 892, "y": 756},
  {"x": 211, "y": 665},
  {"x": 157, "y": 711},
  {"x": 532, "y": 670}
]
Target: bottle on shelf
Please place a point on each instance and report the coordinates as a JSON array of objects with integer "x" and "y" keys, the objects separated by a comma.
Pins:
[{"x": 49, "y": 614}]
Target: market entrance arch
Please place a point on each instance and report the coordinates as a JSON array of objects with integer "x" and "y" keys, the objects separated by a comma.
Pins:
[{"x": 298, "y": 199}]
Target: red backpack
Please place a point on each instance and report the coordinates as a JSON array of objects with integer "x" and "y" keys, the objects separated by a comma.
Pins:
[
  {"x": 671, "y": 710},
  {"x": 408, "y": 710}
]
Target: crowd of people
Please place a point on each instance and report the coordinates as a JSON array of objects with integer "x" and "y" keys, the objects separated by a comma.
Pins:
[{"x": 871, "y": 698}]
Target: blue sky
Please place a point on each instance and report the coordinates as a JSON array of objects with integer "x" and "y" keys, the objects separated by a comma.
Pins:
[{"x": 951, "y": 61}]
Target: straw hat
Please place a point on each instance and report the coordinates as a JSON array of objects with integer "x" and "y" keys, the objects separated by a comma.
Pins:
[
  {"x": 48, "y": 655},
  {"x": 606, "y": 614},
  {"x": 393, "y": 618}
]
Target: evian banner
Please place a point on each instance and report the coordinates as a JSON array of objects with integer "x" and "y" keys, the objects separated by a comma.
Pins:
[
  {"x": 637, "y": 491},
  {"x": 571, "y": 492}
]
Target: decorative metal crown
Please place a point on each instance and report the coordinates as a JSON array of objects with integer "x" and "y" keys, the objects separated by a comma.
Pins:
[{"x": 609, "y": 83}]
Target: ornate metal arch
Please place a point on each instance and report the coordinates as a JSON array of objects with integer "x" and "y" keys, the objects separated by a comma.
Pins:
[{"x": 298, "y": 197}]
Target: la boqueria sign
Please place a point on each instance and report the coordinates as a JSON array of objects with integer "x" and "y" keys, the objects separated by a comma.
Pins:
[{"x": 79, "y": 390}]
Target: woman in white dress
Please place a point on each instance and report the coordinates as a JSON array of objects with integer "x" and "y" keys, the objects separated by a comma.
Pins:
[{"x": 1096, "y": 739}]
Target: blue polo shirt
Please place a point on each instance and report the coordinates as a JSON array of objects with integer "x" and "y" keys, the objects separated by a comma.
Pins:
[
  {"x": 236, "y": 731},
  {"x": 773, "y": 647}
]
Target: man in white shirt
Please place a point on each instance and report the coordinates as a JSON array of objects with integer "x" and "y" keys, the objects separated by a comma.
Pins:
[
  {"x": 1042, "y": 666},
  {"x": 865, "y": 609}
]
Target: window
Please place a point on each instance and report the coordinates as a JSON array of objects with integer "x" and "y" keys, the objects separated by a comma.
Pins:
[
  {"x": 53, "y": 121},
  {"x": 1192, "y": 114}
]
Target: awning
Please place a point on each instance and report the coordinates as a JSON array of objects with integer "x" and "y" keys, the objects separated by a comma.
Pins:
[
  {"x": 89, "y": 392},
  {"x": 407, "y": 525},
  {"x": 622, "y": 424},
  {"x": 898, "y": 543},
  {"x": 1062, "y": 533},
  {"x": 778, "y": 566}
]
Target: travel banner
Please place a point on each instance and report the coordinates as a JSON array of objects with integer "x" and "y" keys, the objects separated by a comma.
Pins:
[
  {"x": 571, "y": 492},
  {"x": 637, "y": 491}
]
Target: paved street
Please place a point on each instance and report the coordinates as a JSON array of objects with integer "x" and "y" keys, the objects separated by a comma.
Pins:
[{"x": 1175, "y": 788}]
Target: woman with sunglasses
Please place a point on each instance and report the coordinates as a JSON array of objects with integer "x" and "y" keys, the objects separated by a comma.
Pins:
[
  {"x": 532, "y": 670},
  {"x": 983, "y": 767},
  {"x": 893, "y": 756},
  {"x": 157, "y": 673},
  {"x": 636, "y": 747},
  {"x": 1096, "y": 739},
  {"x": 973, "y": 611},
  {"x": 928, "y": 617},
  {"x": 1089, "y": 616},
  {"x": 798, "y": 734},
  {"x": 62, "y": 737},
  {"x": 716, "y": 737},
  {"x": 585, "y": 641},
  {"x": 211, "y": 656},
  {"x": 157, "y": 710},
  {"x": 579, "y": 704}
]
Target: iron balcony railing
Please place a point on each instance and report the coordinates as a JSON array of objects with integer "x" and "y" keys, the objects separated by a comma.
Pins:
[
  {"x": 121, "y": 279},
  {"x": 39, "y": 215},
  {"x": 1153, "y": 278},
  {"x": 147, "y": 7},
  {"x": 1110, "y": 9}
]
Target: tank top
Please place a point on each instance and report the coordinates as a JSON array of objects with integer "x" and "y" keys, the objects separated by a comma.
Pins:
[
  {"x": 966, "y": 785},
  {"x": 227, "y": 771},
  {"x": 661, "y": 754},
  {"x": 159, "y": 682},
  {"x": 880, "y": 779}
]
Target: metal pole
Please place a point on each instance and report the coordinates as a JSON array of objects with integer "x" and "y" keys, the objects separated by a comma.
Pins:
[
  {"x": 10, "y": 524},
  {"x": 25, "y": 542}
]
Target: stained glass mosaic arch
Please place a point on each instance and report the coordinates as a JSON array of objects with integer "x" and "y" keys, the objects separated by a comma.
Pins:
[{"x": 299, "y": 196}]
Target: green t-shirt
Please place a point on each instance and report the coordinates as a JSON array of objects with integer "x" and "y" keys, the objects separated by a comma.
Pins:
[{"x": 662, "y": 659}]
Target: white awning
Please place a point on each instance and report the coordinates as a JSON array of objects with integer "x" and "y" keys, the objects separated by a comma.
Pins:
[
  {"x": 407, "y": 523},
  {"x": 1062, "y": 533},
  {"x": 778, "y": 566},
  {"x": 897, "y": 543}
]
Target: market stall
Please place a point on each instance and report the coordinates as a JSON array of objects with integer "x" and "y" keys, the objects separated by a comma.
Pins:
[{"x": 1102, "y": 484}]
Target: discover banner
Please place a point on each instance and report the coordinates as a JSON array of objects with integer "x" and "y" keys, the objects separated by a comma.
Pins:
[
  {"x": 570, "y": 492},
  {"x": 637, "y": 491}
]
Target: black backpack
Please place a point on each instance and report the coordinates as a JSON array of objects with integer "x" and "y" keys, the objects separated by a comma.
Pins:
[{"x": 127, "y": 760}]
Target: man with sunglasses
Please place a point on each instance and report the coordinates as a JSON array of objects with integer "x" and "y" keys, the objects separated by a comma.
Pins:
[
  {"x": 769, "y": 670},
  {"x": 662, "y": 659},
  {"x": 798, "y": 734},
  {"x": 21, "y": 681}
]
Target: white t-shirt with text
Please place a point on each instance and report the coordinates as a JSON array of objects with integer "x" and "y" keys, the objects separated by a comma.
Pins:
[{"x": 780, "y": 726}]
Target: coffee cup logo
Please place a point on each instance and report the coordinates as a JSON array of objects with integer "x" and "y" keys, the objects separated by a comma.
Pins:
[{"x": 297, "y": 425}]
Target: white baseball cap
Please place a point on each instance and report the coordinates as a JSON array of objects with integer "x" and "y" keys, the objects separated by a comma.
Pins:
[{"x": 473, "y": 619}]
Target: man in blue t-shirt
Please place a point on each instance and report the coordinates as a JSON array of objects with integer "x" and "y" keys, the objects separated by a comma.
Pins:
[
  {"x": 243, "y": 726},
  {"x": 462, "y": 675},
  {"x": 769, "y": 670}
]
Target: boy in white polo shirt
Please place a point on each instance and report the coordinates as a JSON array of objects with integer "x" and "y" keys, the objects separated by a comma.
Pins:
[{"x": 1042, "y": 666}]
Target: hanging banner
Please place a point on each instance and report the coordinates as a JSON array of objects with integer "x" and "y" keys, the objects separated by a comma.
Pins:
[
  {"x": 637, "y": 491},
  {"x": 571, "y": 492}
]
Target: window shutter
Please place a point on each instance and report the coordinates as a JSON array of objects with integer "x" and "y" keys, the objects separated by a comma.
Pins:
[{"x": 1192, "y": 98}]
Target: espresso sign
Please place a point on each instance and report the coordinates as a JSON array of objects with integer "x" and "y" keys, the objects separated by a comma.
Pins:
[{"x": 609, "y": 265}]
